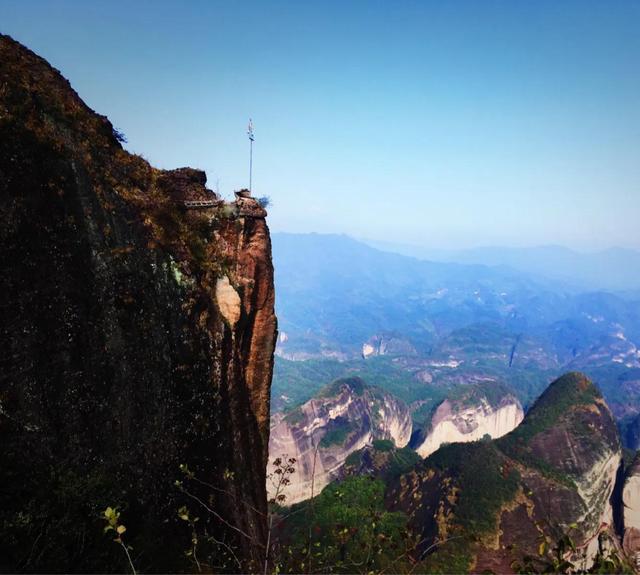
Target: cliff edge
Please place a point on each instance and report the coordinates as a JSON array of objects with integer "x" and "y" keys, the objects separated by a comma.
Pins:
[{"x": 138, "y": 333}]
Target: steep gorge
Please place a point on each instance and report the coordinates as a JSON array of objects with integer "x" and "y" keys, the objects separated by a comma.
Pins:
[{"x": 138, "y": 336}]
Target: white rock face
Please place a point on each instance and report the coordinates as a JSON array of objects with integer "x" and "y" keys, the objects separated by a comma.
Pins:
[
  {"x": 368, "y": 350},
  {"x": 315, "y": 466},
  {"x": 362, "y": 415},
  {"x": 595, "y": 488},
  {"x": 451, "y": 424},
  {"x": 228, "y": 301},
  {"x": 631, "y": 501}
]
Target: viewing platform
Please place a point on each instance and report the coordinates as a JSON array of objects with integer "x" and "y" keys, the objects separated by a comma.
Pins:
[{"x": 195, "y": 204}]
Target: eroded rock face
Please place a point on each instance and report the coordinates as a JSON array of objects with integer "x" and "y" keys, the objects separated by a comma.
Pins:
[
  {"x": 453, "y": 422},
  {"x": 631, "y": 510},
  {"x": 139, "y": 336},
  {"x": 570, "y": 434},
  {"x": 502, "y": 497},
  {"x": 228, "y": 301},
  {"x": 387, "y": 344},
  {"x": 322, "y": 433}
]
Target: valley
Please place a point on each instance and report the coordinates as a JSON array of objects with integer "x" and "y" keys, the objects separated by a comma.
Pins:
[
  {"x": 419, "y": 329},
  {"x": 485, "y": 363}
]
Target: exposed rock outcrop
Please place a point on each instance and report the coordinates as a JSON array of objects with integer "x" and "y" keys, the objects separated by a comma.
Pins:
[
  {"x": 387, "y": 344},
  {"x": 343, "y": 418},
  {"x": 138, "y": 335},
  {"x": 489, "y": 504},
  {"x": 631, "y": 510},
  {"x": 454, "y": 421}
]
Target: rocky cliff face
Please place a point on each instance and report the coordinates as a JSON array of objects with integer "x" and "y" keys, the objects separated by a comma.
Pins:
[
  {"x": 631, "y": 508},
  {"x": 489, "y": 504},
  {"x": 138, "y": 328},
  {"x": 322, "y": 433},
  {"x": 455, "y": 421}
]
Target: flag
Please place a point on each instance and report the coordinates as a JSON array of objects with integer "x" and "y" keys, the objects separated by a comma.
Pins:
[{"x": 250, "y": 129}]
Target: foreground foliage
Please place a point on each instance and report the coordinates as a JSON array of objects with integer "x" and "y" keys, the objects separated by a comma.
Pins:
[{"x": 345, "y": 529}]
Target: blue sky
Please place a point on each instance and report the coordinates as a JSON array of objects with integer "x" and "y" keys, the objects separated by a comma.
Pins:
[{"x": 446, "y": 124}]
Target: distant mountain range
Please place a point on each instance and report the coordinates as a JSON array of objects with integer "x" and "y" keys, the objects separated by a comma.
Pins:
[
  {"x": 355, "y": 291},
  {"x": 425, "y": 327},
  {"x": 614, "y": 269}
]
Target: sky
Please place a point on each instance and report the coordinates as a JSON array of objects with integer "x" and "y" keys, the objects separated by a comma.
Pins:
[{"x": 447, "y": 124}]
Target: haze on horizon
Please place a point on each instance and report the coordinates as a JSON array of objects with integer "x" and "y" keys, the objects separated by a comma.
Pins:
[{"x": 441, "y": 124}]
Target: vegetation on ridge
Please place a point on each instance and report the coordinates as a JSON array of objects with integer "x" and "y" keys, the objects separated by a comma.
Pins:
[{"x": 566, "y": 392}]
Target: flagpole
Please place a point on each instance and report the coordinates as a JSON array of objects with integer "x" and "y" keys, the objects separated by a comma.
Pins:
[{"x": 250, "y": 134}]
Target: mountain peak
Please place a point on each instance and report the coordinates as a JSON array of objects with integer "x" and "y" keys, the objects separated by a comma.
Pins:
[
  {"x": 570, "y": 417},
  {"x": 565, "y": 393},
  {"x": 45, "y": 101},
  {"x": 558, "y": 468}
]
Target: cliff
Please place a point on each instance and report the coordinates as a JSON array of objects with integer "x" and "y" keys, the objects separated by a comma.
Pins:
[
  {"x": 138, "y": 328},
  {"x": 344, "y": 417},
  {"x": 470, "y": 418},
  {"x": 489, "y": 505},
  {"x": 631, "y": 508}
]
